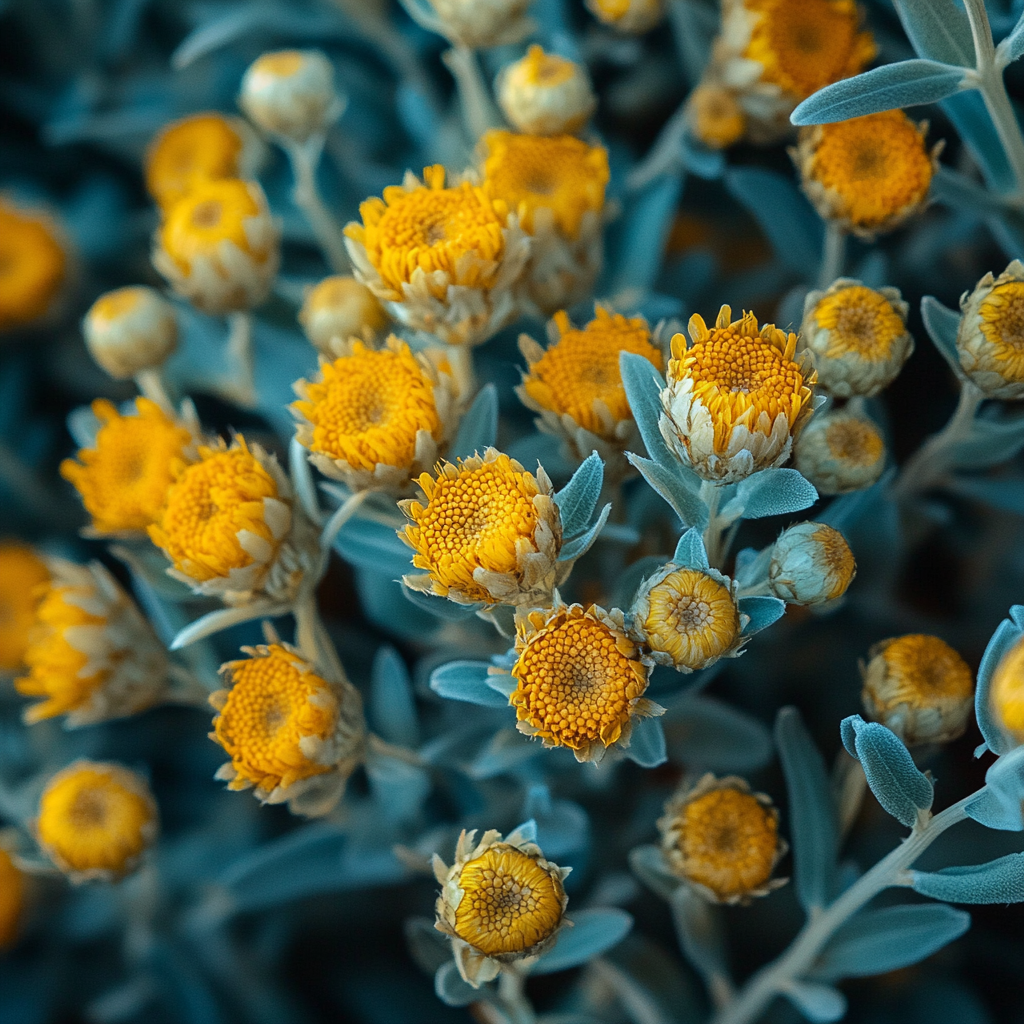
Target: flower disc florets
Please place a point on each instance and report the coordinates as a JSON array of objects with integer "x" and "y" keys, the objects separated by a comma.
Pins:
[
  {"x": 339, "y": 308},
  {"x": 91, "y": 655},
  {"x": 811, "y": 563},
  {"x": 735, "y": 398},
  {"x": 1006, "y": 692},
  {"x": 442, "y": 260},
  {"x": 130, "y": 330},
  {"x": 33, "y": 266},
  {"x": 289, "y": 732},
  {"x": 990, "y": 341},
  {"x": 500, "y": 902},
  {"x": 544, "y": 94},
  {"x": 487, "y": 531},
  {"x": 715, "y": 115},
  {"x": 96, "y": 821},
  {"x": 839, "y": 451},
  {"x": 580, "y": 679},
  {"x": 723, "y": 840},
  {"x": 631, "y": 17},
  {"x": 22, "y": 576}
]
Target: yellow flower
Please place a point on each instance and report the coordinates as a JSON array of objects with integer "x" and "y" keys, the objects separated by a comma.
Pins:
[
  {"x": 91, "y": 655},
  {"x": 811, "y": 563},
  {"x": 629, "y": 16},
  {"x": 544, "y": 94},
  {"x": 990, "y": 341},
  {"x": 867, "y": 175},
  {"x": 339, "y": 308},
  {"x": 96, "y": 821},
  {"x": 375, "y": 418},
  {"x": 219, "y": 246},
  {"x": 840, "y": 451},
  {"x": 580, "y": 679},
  {"x": 1007, "y": 692},
  {"x": 12, "y": 900},
  {"x": 474, "y": 24},
  {"x": 33, "y": 266},
  {"x": 292, "y": 734},
  {"x": 735, "y": 398},
  {"x": 855, "y": 337},
  {"x": 291, "y": 93},
  {"x": 124, "y": 477},
  {"x": 715, "y": 115},
  {"x": 723, "y": 840},
  {"x": 919, "y": 687},
  {"x": 228, "y": 526},
  {"x": 500, "y": 902},
  {"x": 688, "y": 617},
  {"x": 130, "y": 330},
  {"x": 442, "y": 260},
  {"x": 488, "y": 532},
  {"x": 196, "y": 149},
  {"x": 22, "y": 574}
]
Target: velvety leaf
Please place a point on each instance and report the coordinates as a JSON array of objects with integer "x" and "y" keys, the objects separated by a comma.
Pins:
[
  {"x": 647, "y": 743},
  {"x": 772, "y": 492},
  {"x": 938, "y": 29},
  {"x": 391, "y": 708},
  {"x": 763, "y": 610},
  {"x": 592, "y": 933},
  {"x": 577, "y": 500},
  {"x": 467, "y": 681},
  {"x": 450, "y": 987},
  {"x": 998, "y": 881},
  {"x": 709, "y": 735},
  {"x": 644, "y": 384},
  {"x": 580, "y": 545},
  {"x": 690, "y": 553},
  {"x": 818, "y": 1003},
  {"x": 670, "y": 484},
  {"x": 942, "y": 325}
]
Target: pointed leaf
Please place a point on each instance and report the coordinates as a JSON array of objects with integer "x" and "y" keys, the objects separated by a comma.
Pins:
[
  {"x": 763, "y": 610},
  {"x": 649, "y": 865},
  {"x": 978, "y": 133},
  {"x": 593, "y": 932},
  {"x": 466, "y": 681},
  {"x": 579, "y": 546},
  {"x": 709, "y": 735},
  {"x": 820, "y": 1004},
  {"x": 700, "y": 931},
  {"x": 577, "y": 500},
  {"x": 392, "y": 709},
  {"x": 772, "y": 492},
  {"x": 938, "y": 30},
  {"x": 942, "y": 325},
  {"x": 690, "y": 552},
  {"x": 644, "y": 384},
  {"x": 1012, "y": 46},
  {"x": 450, "y": 987},
  {"x": 1000, "y": 804},
  {"x": 998, "y": 881},
  {"x": 398, "y": 788},
  {"x": 670, "y": 484},
  {"x": 647, "y": 743},
  {"x": 479, "y": 427}
]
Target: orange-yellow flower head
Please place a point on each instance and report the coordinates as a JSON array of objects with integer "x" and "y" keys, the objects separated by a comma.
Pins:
[
  {"x": 500, "y": 902},
  {"x": 487, "y": 531},
  {"x": 811, "y": 563},
  {"x": 441, "y": 259},
  {"x": 96, "y": 821},
  {"x": 196, "y": 149},
  {"x": 919, "y": 687},
  {"x": 290, "y": 93},
  {"x": 867, "y": 175},
  {"x": 339, "y": 308},
  {"x": 124, "y": 477},
  {"x": 289, "y": 732},
  {"x": 33, "y": 266},
  {"x": 130, "y": 330},
  {"x": 631, "y": 17},
  {"x": 723, "y": 840},
  {"x": 715, "y": 115},
  {"x": 219, "y": 246},
  {"x": 1006, "y": 693},
  {"x": 91, "y": 655},
  {"x": 12, "y": 900},
  {"x": 735, "y": 398},
  {"x": 22, "y": 575},
  {"x": 990, "y": 341},
  {"x": 375, "y": 418},
  {"x": 840, "y": 451},
  {"x": 580, "y": 679},
  {"x": 544, "y": 94}
]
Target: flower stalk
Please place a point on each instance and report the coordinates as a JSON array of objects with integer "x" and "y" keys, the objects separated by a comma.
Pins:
[{"x": 304, "y": 158}]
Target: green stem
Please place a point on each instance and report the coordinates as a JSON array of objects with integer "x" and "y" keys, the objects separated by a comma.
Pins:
[
  {"x": 512, "y": 998},
  {"x": 833, "y": 255},
  {"x": 716, "y": 541},
  {"x": 477, "y": 107},
  {"x": 304, "y": 158},
  {"x": 151, "y": 385},
  {"x": 242, "y": 384}
]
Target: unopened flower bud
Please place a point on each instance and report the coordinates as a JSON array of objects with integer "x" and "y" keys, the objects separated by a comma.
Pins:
[
  {"x": 130, "y": 330},
  {"x": 715, "y": 116},
  {"x": 482, "y": 23},
  {"x": 628, "y": 16},
  {"x": 544, "y": 94},
  {"x": 839, "y": 451},
  {"x": 991, "y": 328},
  {"x": 339, "y": 308},
  {"x": 811, "y": 563}
]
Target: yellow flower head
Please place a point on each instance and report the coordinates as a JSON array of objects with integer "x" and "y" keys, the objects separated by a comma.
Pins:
[
  {"x": 419, "y": 241},
  {"x": 1006, "y": 695},
  {"x": 22, "y": 574},
  {"x": 500, "y": 902},
  {"x": 580, "y": 679},
  {"x": 715, "y": 115},
  {"x": 292, "y": 734},
  {"x": 375, "y": 418},
  {"x": 855, "y": 337},
  {"x": 628, "y": 16},
  {"x": 96, "y": 820},
  {"x": 735, "y": 398},
  {"x": 339, "y": 308},
  {"x": 990, "y": 341},
  {"x": 811, "y": 563},
  {"x": 869, "y": 174},
  {"x": 290, "y": 93},
  {"x": 723, "y": 840},
  {"x": 197, "y": 149},
  {"x": 124, "y": 478},
  {"x": 130, "y": 330},
  {"x": 919, "y": 687},
  {"x": 544, "y": 94},
  {"x": 218, "y": 245},
  {"x": 91, "y": 655},
  {"x": 840, "y": 451},
  {"x": 33, "y": 266},
  {"x": 486, "y": 531},
  {"x": 688, "y": 617},
  {"x": 12, "y": 900}
]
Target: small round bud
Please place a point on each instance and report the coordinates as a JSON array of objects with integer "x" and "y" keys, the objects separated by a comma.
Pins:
[
  {"x": 991, "y": 332},
  {"x": 338, "y": 308},
  {"x": 34, "y": 267},
  {"x": 291, "y": 93},
  {"x": 481, "y": 23},
  {"x": 811, "y": 563},
  {"x": 544, "y": 94},
  {"x": 130, "y": 330},
  {"x": 628, "y": 16},
  {"x": 919, "y": 687},
  {"x": 840, "y": 451},
  {"x": 1006, "y": 692},
  {"x": 715, "y": 116}
]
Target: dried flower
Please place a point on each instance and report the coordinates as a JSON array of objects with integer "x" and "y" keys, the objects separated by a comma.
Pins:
[
  {"x": 990, "y": 341},
  {"x": 811, "y": 563},
  {"x": 33, "y": 266},
  {"x": 339, "y": 308},
  {"x": 544, "y": 94},
  {"x": 22, "y": 574},
  {"x": 839, "y": 451}
]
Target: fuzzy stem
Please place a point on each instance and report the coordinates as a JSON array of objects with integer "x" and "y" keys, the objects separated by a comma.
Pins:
[
  {"x": 664, "y": 157},
  {"x": 833, "y": 255},
  {"x": 477, "y": 107},
  {"x": 512, "y": 997},
  {"x": 304, "y": 158},
  {"x": 715, "y": 541},
  {"x": 151, "y": 385},
  {"x": 241, "y": 388}
]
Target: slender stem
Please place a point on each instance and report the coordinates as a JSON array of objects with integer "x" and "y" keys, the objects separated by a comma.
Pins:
[
  {"x": 379, "y": 746},
  {"x": 241, "y": 389},
  {"x": 833, "y": 255},
  {"x": 345, "y": 511},
  {"x": 664, "y": 157},
  {"x": 715, "y": 541},
  {"x": 512, "y": 998},
  {"x": 151, "y": 385},
  {"x": 306, "y": 618},
  {"x": 478, "y": 110},
  {"x": 754, "y": 997},
  {"x": 305, "y": 157}
]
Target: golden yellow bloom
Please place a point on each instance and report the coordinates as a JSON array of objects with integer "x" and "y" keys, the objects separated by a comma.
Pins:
[
  {"x": 91, "y": 654},
  {"x": 856, "y": 337},
  {"x": 219, "y": 246},
  {"x": 488, "y": 532},
  {"x": 474, "y": 24},
  {"x": 339, "y": 308},
  {"x": 96, "y": 820},
  {"x": 130, "y": 330},
  {"x": 375, "y": 418},
  {"x": 442, "y": 260},
  {"x": 715, "y": 115},
  {"x": 544, "y": 94},
  {"x": 723, "y": 840},
  {"x": 580, "y": 679},
  {"x": 291, "y": 93},
  {"x": 811, "y": 563},
  {"x": 33, "y": 266},
  {"x": 22, "y": 574},
  {"x": 869, "y": 174},
  {"x": 628, "y": 16},
  {"x": 196, "y": 149},
  {"x": 840, "y": 451},
  {"x": 688, "y": 617},
  {"x": 735, "y": 398},
  {"x": 12, "y": 900},
  {"x": 500, "y": 902},
  {"x": 1006, "y": 695},
  {"x": 919, "y": 687},
  {"x": 990, "y": 341},
  {"x": 292, "y": 734},
  {"x": 124, "y": 478}
]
